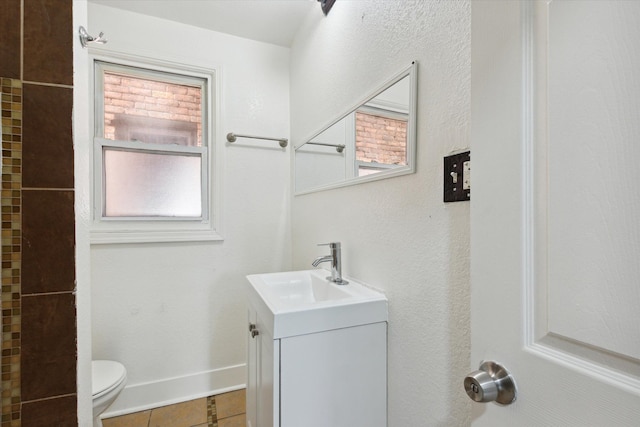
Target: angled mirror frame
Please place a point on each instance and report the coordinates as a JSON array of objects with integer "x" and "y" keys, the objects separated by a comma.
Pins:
[{"x": 339, "y": 155}]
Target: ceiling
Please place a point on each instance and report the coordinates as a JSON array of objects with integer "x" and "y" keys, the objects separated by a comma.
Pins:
[{"x": 270, "y": 21}]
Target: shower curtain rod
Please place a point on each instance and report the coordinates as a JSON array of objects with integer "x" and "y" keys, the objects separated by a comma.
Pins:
[{"x": 231, "y": 137}]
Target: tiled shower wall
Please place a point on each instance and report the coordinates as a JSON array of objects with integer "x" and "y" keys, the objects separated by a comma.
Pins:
[{"x": 38, "y": 258}]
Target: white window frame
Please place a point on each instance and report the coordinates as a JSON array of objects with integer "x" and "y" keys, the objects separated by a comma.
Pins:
[{"x": 207, "y": 227}]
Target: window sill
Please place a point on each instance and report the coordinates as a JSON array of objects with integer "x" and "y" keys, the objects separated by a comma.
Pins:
[{"x": 164, "y": 236}]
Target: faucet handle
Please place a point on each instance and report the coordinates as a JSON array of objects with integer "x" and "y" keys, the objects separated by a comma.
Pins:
[{"x": 332, "y": 245}]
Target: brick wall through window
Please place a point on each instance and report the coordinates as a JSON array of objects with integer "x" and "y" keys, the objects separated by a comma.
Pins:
[{"x": 160, "y": 101}]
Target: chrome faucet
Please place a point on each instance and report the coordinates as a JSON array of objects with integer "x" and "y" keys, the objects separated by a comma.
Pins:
[{"x": 336, "y": 263}]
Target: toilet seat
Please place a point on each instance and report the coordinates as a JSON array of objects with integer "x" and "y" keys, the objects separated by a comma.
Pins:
[{"x": 106, "y": 375}]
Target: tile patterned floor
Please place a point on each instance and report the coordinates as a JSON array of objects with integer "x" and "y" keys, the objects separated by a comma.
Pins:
[{"x": 222, "y": 410}]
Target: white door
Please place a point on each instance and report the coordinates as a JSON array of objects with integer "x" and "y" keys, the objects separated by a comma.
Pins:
[{"x": 555, "y": 209}]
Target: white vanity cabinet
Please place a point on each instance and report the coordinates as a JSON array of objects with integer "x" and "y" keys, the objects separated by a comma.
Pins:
[{"x": 325, "y": 369}]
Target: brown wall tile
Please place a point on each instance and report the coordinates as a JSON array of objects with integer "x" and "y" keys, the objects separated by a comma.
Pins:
[
  {"x": 48, "y": 240},
  {"x": 47, "y": 137},
  {"x": 48, "y": 354},
  {"x": 48, "y": 41},
  {"x": 58, "y": 412},
  {"x": 10, "y": 39},
  {"x": 43, "y": 327}
]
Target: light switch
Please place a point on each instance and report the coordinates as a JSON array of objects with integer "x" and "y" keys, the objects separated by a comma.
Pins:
[
  {"x": 466, "y": 172},
  {"x": 457, "y": 177}
]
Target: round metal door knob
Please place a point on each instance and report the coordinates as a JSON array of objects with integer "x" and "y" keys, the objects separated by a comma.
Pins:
[{"x": 491, "y": 383}]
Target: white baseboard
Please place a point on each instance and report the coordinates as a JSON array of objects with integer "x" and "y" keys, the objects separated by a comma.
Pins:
[{"x": 168, "y": 391}]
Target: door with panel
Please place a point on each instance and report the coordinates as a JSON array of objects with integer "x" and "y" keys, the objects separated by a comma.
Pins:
[{"x": 555, "y": 210}]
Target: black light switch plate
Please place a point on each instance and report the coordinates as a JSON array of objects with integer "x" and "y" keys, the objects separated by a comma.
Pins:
[{"x": 457, "y": 177}]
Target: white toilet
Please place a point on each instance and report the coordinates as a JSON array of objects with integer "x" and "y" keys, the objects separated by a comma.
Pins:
[{"x": 108, "y": 379}]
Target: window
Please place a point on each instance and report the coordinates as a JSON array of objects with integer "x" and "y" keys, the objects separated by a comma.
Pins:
[{"x": 152, "y": 160}]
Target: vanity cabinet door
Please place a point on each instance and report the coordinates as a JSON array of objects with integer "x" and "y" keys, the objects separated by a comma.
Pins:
[
  {"x": 335, "y": 378},
  {"x": 262, "y": 367},
  {"x": 268, "y": 385},
  {"x": 252, "y": 374}
]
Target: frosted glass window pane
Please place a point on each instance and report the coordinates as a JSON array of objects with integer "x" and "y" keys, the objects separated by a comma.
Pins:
[{"x": 141, "y": 184}]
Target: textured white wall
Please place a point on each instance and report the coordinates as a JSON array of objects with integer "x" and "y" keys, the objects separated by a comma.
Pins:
[
  {"x": 397, "y": 234},
  {"x": 82, "y": 160},
  {"x": 169, "y": 311}
]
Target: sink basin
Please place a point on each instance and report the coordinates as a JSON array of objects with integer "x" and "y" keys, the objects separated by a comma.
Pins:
[
  {"x": 300, "y": 287},
  {"x": 302, "y": 302}
]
